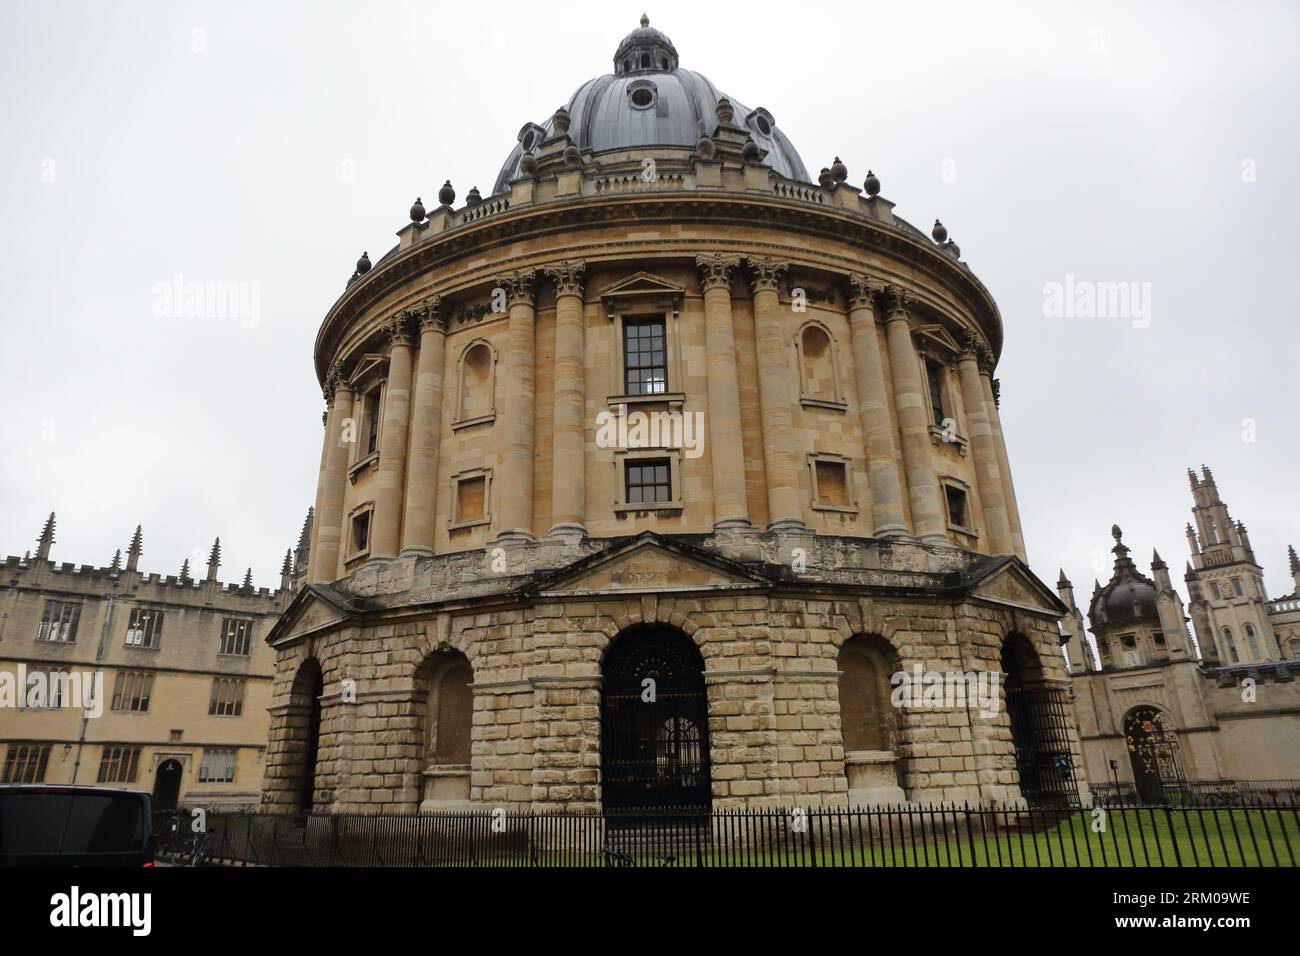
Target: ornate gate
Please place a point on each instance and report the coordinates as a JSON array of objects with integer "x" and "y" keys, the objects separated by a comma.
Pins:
[
  {"x": 654, "y": 729},
  {"x": 1153, "y": 751},
  {"x": 1039, "y": 733}
]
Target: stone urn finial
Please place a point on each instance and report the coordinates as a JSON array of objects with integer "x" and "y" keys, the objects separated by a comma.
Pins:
[
  {"x": 704, "y": 145},
  {"x": 645, "y": 20},
  {"x": 417, "y": 210},
  {"x": 560, "y": 122},
  {"x": 446, "y": 195},
  {"x": 940, "y": 232},
  {"x": 473, "y": 197},
  {"x": 528, "y": 164},
  {"x": 363, "y": 264},
  {"x": 724, "y": 112},
  {"x": 871, "y": 185},
  {"x": 749, "y": 152},
  {"x": 572, "y": 157},
  {"x": 839, "y": 170},
  {"x": 825, "y": 179}
]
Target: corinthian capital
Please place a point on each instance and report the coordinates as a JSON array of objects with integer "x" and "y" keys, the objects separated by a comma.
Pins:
[
  {"x": 897, "y": 301},
  {"x": 398, "y": 328},
  {"x": 971, "y": 344},
  {"x": 429, "y": 315},
  {"x": 716, "y": 270},
  {"x": 568, "y": 277},
  {"x": 520, "y": 286},
  {"x": 864, "y": 290},
  {"x": 765, "y": 274}
]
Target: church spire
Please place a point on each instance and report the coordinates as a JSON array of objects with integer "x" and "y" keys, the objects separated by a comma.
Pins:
[
  {"x": 133, "y": 550},
  {"x": 46, "y": 539}
]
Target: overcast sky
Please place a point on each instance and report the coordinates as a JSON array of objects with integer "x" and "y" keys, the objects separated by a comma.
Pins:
[{"x": 269, "y": 143}]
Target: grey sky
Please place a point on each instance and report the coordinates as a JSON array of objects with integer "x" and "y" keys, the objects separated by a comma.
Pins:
[{"x": 1106, "y": 142}]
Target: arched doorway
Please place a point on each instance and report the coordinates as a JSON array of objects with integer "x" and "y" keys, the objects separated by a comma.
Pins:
[
  {"x": 167, "y": 785},
  {"x": 304, "y": 733},
  {"x": 1153, "y": 751},
  {"x": 1036, "y": 712},
  {"x": 654, "y": 725}
]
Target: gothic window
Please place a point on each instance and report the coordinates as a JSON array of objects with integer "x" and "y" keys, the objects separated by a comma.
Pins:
[
  {"x": 218, "y": 766},
  {"x": 227, "y": 698},
  {"x": 1231, "y": 645},
  {"x": 236, "y": 637},
  {"x": 59, "y": 622},
  {"x": 1214, "y": 531},
  {"x": 1214, "y": 590},
  {"x": 1236, "y": 587},
  {"x": 26, "y": 763},
  {"x": 477, "y": 383},
  {"x": 1253, "y": 643},
  {"x": 144, "y": 629},
  {"x": 131, "y": 691},
  {"x": 119, "y": 765}
]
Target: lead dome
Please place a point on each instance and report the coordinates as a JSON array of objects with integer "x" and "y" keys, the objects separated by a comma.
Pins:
[{"x": 650, "y": 101}]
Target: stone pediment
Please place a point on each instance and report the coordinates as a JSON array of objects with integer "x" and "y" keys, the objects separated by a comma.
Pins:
[
  {"x": 316, "y": 609},
  {"x": 638, "y": 287},
  {"x": 650, "y": 565},
  {"x": 1010, "y": 583},
  {"x": 938, "y": 339}
]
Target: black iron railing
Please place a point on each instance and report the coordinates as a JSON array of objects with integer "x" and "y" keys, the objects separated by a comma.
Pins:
[{"x": 1265, "y": 834}]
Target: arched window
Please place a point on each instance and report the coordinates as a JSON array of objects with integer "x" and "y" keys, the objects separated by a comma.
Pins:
[
  {"x": 866, "y": 716},
  {"x": 302, "y": 727},
  {"x": 444, "y": 684},
  {"x": 1253, "y": 643},
  {"x": 1231, "y": 645},
  {"x": 477, "y": 400},
  {"x": 818, "y": 367}
]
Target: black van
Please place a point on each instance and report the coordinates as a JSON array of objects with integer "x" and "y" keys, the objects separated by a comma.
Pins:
[{"x": 75, "y": 826}]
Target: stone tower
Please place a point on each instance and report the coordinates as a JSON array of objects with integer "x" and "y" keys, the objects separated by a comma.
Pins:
[{"x": 1229, "y": 604}]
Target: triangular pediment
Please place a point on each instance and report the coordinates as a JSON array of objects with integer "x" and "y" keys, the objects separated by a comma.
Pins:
[
  {"x": 1011, "y": 583},
  {"x": 641, "y": 288},
  {"x": 368, "y": 367},
  {"x": 650, "y": 564},
  {"x": 317, "y": 608},
  {"x": 938, "y": 338}
]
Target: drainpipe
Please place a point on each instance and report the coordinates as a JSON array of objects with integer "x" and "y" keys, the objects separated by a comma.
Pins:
[{"x": 104, "y": 635}]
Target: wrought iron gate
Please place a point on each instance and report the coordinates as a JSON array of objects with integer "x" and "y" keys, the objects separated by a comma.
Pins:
[
  {"x": 1039, "y": 732},
  {"x": 654, "y": 730},
  {"x": 1153, "y": 750}
]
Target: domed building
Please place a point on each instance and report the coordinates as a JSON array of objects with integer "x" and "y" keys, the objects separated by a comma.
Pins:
[{"x": 647, "y": 475}]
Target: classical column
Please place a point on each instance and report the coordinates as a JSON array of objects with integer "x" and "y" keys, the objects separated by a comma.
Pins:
[
  {"x": 1000, "y": 447},
  {"x": 426, "y": 430},
  {"x": 785, "y": 511},
  {"x": 873, "y": 410},
  {"x": 988, "y": 468},
  {"x": 914, "y": 423},
  {"x": 726, "y": 453},
  {"x": 569, "y": 458},
  {"x": 512, "y": 491},
  {"x": 324, "y": 561},
  {"x": 320, "y": 478},
  {"x": 387, "y": 521}
]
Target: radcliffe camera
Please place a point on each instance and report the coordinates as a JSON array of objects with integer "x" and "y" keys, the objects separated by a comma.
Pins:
[{"x": 582, "y": 438}]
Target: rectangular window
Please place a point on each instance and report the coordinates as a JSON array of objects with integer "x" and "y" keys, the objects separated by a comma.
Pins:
[
  {"x": 360, "y": 532},
  {"x": 471, "y": 499},
  {"x": 1214, "y": 590},
  {"x": 934, "y": 380},
  {"x": 372, "y": 421},
  {"x": 236, "y": 637},
  {"x": 956, "y": 499},
  {"x": 145, "y": 628},
  {"x": 649, "y": 481},
  {"x": 645, "y": 357},
  {"x": 131, "y": 691},
  {"x": 26, "y": 763},
  {"x": 45, "y": 688},
  {"x": 832, "y": 489},
  {"x": 218, "y": 766},
  {"x": 59, "y": 622},
  {"x": 227, "y": 698},
  {"x": 119, "y": 765},
  {"x": 1236, "y": 587}
]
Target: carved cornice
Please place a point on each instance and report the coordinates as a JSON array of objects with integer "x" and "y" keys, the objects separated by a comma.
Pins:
[
  {"x": 520, "y": 286},
  {"x": 765, "y": 274},
  {"x": 716, "y": 270},
  {"x": 398, "y": 328},
  {"x": 864, "y": 291},
  {"x": 568, "y": 277}
]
